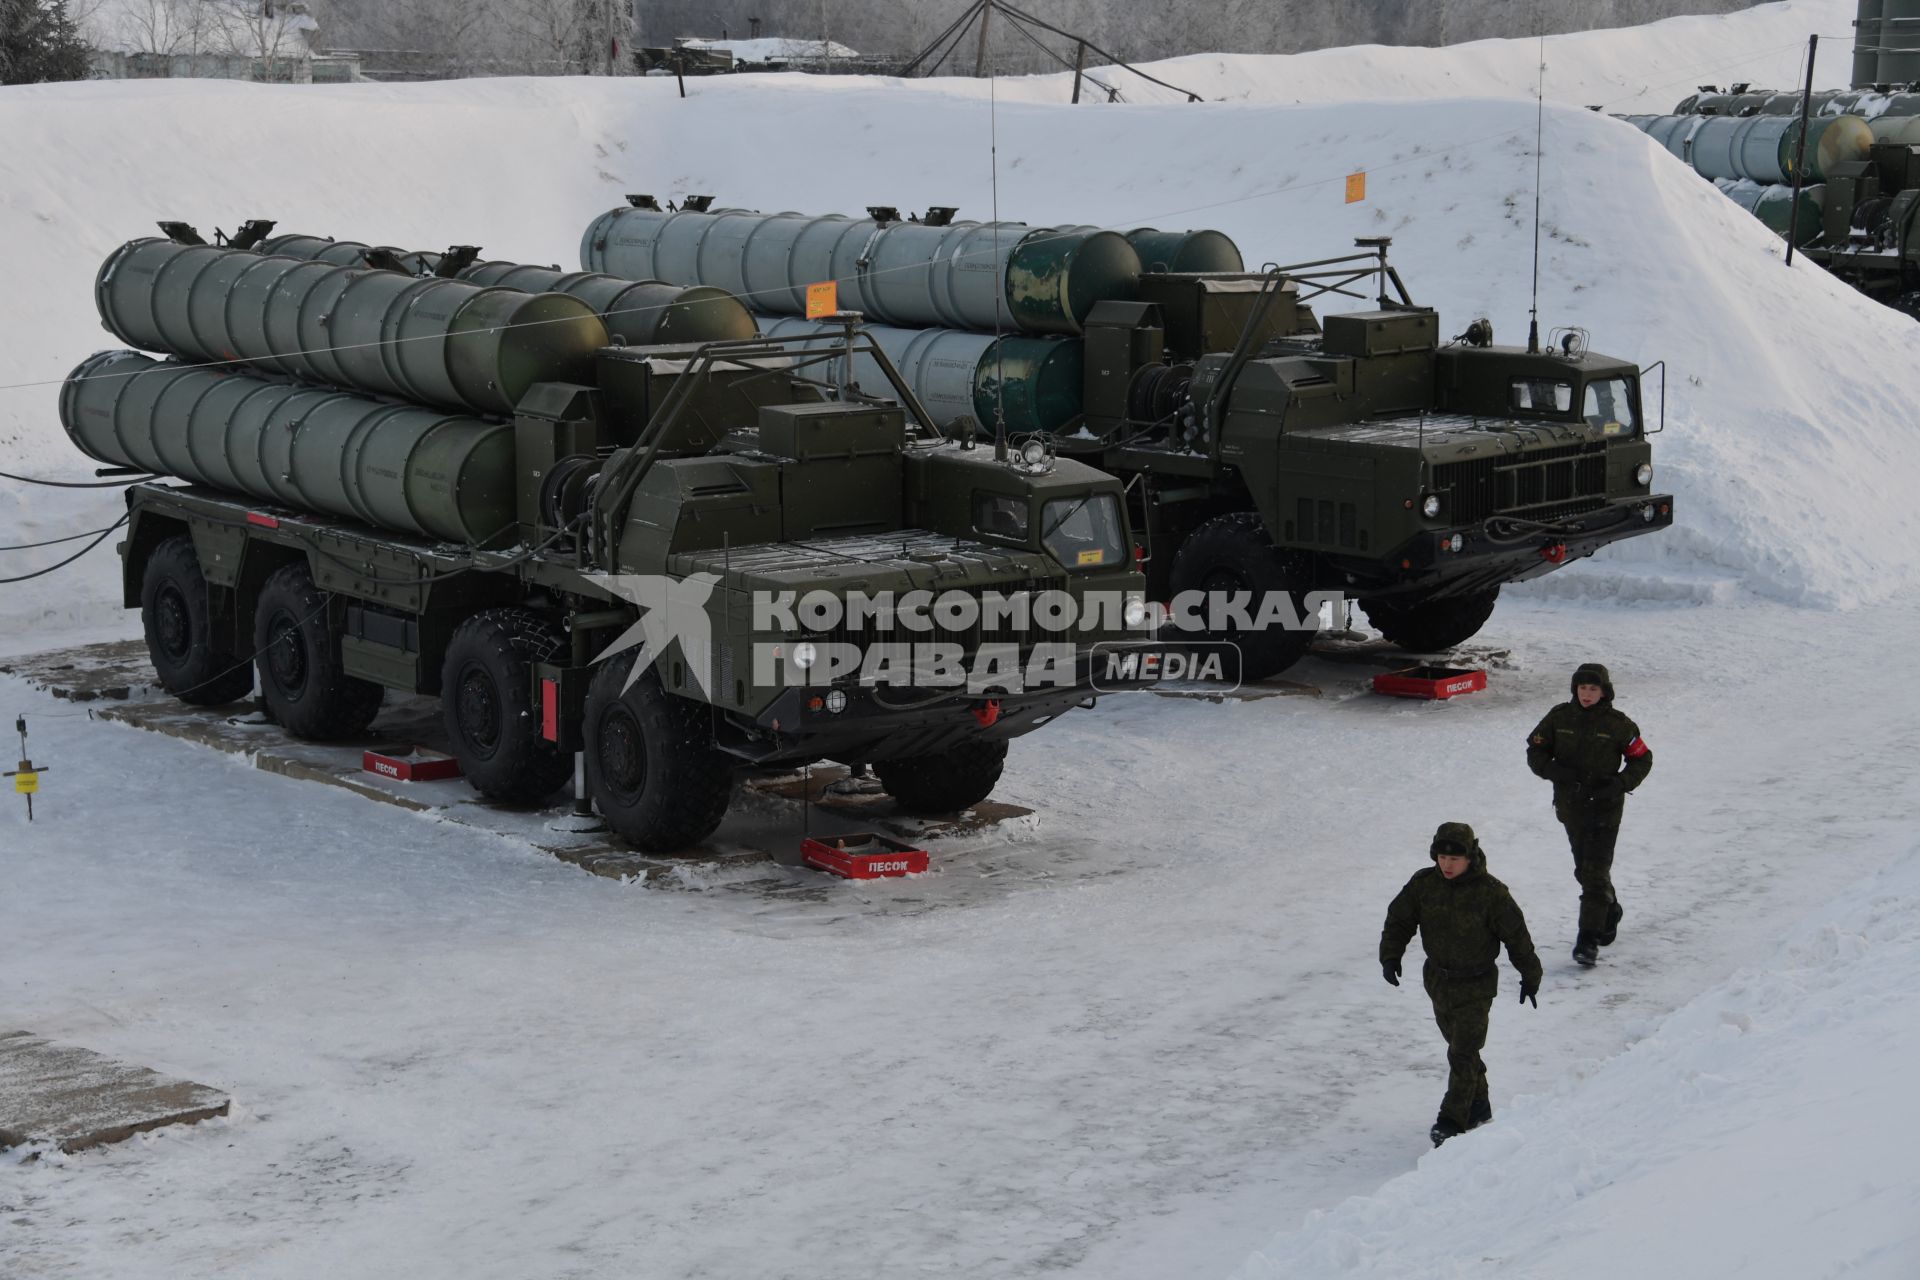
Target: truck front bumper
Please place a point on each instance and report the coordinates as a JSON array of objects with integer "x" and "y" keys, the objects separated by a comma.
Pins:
[
  {"x": 1431, "y": 568},
  {"x": 894, "y": 722}
]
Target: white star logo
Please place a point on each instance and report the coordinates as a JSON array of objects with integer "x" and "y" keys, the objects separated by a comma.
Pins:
[{"x": 671, "y": 609}]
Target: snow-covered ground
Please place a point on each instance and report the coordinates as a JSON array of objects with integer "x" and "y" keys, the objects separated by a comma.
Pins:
[
  {"x": 1143, "y": 1036},
  {"x": 1136, "y": 1048}
]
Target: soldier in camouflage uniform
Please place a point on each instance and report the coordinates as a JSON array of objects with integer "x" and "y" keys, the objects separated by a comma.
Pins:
[
  {"x": 1463, "y": 916},
  {"x": 1594, "y": 755}
]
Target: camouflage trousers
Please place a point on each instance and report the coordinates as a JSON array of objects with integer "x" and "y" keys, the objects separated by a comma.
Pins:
[
  {"x": 1461, "y": 1006},
  {"x": 1592, "y": 844}
]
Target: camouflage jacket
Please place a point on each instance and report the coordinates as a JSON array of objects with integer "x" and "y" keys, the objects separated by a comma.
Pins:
[
  {"x": 1579, "y": 748},
  {"x": 1462, "y": 922}
]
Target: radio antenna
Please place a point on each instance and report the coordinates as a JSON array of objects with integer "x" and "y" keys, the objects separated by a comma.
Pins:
[{"x": 1539, "y": 133}]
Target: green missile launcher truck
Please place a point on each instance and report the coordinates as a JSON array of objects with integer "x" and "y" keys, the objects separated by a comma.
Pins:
[
  {"x": 1264, "y": 454},
  {"x": 658, "y": 559}
]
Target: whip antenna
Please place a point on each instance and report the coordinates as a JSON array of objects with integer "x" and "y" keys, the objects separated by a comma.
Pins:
[
  {"x": 999, "y": 265},
  {"x": 1539, "y": 133}
]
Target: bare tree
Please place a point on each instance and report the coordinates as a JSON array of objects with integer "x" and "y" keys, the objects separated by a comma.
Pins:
[
  {"x": 157, "y": 26},
  {"x": 554, "y": 37},
  {"x": 267, "y": 32}
]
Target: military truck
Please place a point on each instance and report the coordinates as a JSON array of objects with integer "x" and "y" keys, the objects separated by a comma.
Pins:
[
  {"x": 1266, "y": 454},
  {"x": 368, "y": 481},
  {"x": 1262, "y": 456}
]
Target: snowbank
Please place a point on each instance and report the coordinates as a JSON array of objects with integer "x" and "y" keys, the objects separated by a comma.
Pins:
[
  {"x": 1764, "y": 1130},
  {"x": 1631, "y": 69}
]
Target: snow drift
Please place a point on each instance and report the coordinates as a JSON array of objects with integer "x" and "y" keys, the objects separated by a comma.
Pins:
[{"x": 1762, "y": 1130}]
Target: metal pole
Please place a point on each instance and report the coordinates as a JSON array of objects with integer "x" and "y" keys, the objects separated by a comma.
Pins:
[
  {"x": 1800, "y": 149},
  {"x": 980, "y": 58},
  {"x": 1079, "y": 63},
  {"x": 680, "y": 72}
]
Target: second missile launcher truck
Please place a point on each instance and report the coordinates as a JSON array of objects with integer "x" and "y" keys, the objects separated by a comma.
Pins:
[
  {"x": 368, "y": 480},
  {"x": 1262, "y": 454}
]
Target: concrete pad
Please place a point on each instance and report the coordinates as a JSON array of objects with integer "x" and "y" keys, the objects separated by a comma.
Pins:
[
  {"x": 75, "y": 1098},
  {"x": 117, "y": 682}
]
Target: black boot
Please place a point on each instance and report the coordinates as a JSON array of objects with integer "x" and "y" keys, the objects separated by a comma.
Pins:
[
  {"x": 1612, "y": 931},
  {"x": 1482, "y": 1112},
  {"x": 1443, "y": 1129},
  {"x": 1586, "y": 949}
]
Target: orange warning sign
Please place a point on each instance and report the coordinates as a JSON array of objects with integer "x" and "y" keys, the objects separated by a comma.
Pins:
[
  {"x": 823, "y": 300},
  {"x": 1356, "y": 187}
]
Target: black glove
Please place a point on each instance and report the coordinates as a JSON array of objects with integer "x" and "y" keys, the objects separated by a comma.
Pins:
[
  {"x": 1390, "y": 970},
  {"x": 1530, "y": 991},
  {"x": 1607, "y": 792}
]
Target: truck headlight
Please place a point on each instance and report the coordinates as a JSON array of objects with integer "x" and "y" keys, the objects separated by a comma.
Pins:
[
  {"x": 1643, "y": 474},
  {"x": 1134, "y": 611},
  {"x": 1430, "y": 506},
  {"x": 836, "y": 700},
  {"x": 805, "y": 655}
]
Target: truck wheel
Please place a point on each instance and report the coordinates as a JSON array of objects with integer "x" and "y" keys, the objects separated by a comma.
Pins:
[
  {"x": 177, "y": 614},
  {"x": 301, "y": 681},
  {"x": 944, "y": 783},
  {"x": 486, "y": 698},
  {"x": 1233, "y": 553},
  {"x": 652, "y": 768},
  {"x": 1428, "y": 626}
]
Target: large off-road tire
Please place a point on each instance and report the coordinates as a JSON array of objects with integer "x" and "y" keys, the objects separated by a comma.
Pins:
[
  {"x": 486, "y": 699},
  {"x": 1233, "y": 553},
  {"x": 946, "y": 782},
  {"x": 652, "y": 768},
  {"x": 1428, "y": 626},
  {"x": 177, "y": 613},
  {"x": 302, "y": 683}
]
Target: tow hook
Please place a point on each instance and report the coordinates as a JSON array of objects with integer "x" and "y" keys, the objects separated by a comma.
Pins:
[
  {"x": 1554, "y": 553},
  {"x": 988, "y": 713}
]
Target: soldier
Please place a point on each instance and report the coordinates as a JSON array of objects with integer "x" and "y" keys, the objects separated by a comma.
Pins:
[
  {"x": 1580, "y": 748},
  {"x": 1463, "y": 915}
]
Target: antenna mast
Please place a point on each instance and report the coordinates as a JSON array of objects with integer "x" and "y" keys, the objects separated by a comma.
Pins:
[{"x": 1539, "y": 132}]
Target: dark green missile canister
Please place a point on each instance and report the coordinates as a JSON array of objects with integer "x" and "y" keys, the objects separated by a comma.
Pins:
[
  {"x": 1034, "y": 380},
  {"x": 960, "y": 275},
  {"x": 345, "y": 253},
  {"x": 440, "y": 342},
  {"x": 640, "y": 313},
  {"x": 395, "y": 466},
  {"x": 1185, "y": 252}
]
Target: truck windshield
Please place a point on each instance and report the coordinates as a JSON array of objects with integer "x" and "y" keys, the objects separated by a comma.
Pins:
[
  {"x": 1609, "y": 406},
  {"x": 1083, "y": 532},
  {"x": 1542, "y": 395}
]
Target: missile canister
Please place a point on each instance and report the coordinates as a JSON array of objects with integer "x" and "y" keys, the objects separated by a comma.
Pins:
[
  {"x": 1036, "y": 379},
  {"x": 396, "y": 466},
  {"x": 639, "y": 313},
  {"x": 1773, "y": 205},
  {"x": 1759, "y": 148},
  {"x": 1182, "y": 252},
  {"x": 1866, "y": 42},
  {"x": 439, "y": 342},
  {"x": 1899, "y": 42},
  {"x": 344, "y": 253},
  {"x": 966, "y": 275}
]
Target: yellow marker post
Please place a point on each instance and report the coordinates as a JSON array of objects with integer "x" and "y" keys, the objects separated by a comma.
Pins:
[
  {"x": 26, "y": 782},
  {"x": 1356, "y": 187},
  {"x": 823, "y": 300}
]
